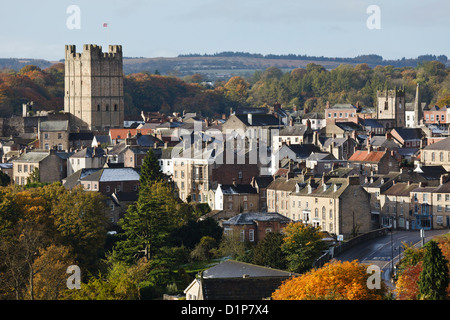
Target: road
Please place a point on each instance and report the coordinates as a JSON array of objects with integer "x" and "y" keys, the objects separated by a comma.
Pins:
[{"x": 380, "y": 251}]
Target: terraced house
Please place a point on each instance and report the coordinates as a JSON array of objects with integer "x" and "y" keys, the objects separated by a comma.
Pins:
[{"x": 339, "y": 206}]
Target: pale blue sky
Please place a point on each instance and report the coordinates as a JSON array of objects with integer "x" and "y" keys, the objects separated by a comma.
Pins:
[{"x": 151, "y": 28}]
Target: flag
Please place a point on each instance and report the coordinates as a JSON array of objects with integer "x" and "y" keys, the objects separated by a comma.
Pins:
[{"x": 105, "y": 25}]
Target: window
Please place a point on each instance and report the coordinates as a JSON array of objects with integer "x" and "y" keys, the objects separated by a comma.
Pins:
[
  {"x": 251, "y": 235},
  {"x": 108, "y": 189},
  {"x": 45, "y": 135},
  {"x": 19, "y": 168},
  {"x": 25, "y": 168},
  {"x": 98, "y": 107},
  {"x": 115, "y": 107},
  {"x": 242, "y": 235},
  {"x": 107, "y": 108}
]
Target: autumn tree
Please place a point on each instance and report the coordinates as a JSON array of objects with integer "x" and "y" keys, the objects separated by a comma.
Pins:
[
  {"x": 302, "y": 245},
  {"x": 334, "y": 281},
  {"x": 81, "y": 223}
]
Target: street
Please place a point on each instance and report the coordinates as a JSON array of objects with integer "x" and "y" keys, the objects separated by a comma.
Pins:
[{"x": 380, "y": 251}]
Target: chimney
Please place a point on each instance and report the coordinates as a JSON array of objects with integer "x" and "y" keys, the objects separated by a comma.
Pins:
[
  {"x": 316, "y": 138},
  {"x": 291, "y": 122}
]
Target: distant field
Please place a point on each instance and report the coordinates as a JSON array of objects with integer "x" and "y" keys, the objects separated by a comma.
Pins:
[{"x": 215, "y": 66}]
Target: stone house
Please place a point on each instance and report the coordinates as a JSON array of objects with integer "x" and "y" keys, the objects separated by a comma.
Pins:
[
  {"x": 105, "y": 180},
  {"x": 430, "y": 206},
  {"x": 338, "y": 206},
  {"x": 295, "y": 134},
  {"x": 86, "y": 158},
  {"x": 51, "y": 165},
  {"x": 436, "y": 154},
  {"x": 395, "y": 205},
  {"x": 257, "y": 126},
  {"x": 341, "y": 113},
  {"x": 375, "y": 185},
  {"x": 278, "y": 192},
  {"x": 369, "y": 161},
  {"x": 134, "y": 157},
  {"x": 54, "y": 134},
  {"x": 253, "y": 226},
  {"x": 236, "y": 198}
]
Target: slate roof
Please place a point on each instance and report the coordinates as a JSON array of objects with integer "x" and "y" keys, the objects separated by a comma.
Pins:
[
  {"x": 59, "y": 125},
  {"x": 409, "y": 133},
  {"x": 334, "y": 187},
  {"x": 74, "y": 136},
  {"x": 263, "y": 181},
  {"x": 89, "y": 152},
  {"x": 295, "y": 130},
  {"x": 343, "y": 106},
  {"x": 34, "y": 156},
  {"x": 285, "y": 185},
  {"x": 440, "y": 145},
  {"x": 230, "y": 189},
  {"x": 302, "y": 151},
  {"x": 251, "y": 217},
  {"x": 102, "y": 175},
  {"x": 259, "y": 120},
  {"x": 237, "y": 269},
  {"x": 402, "y": 189}
]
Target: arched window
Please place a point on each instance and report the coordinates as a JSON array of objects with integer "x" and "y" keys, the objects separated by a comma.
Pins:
[
  {"x": 323, "y": 213},
  {"x": 316, "y": 212},
  {"x": 107, "y": 108}
]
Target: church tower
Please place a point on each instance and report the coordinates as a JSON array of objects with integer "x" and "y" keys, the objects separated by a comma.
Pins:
[
  {"x": 94, "y": 87},
  {"x": 391, "y": 107}
]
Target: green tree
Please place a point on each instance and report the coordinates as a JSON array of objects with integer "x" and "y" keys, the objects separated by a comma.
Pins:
[
  {"x": 268, "y": 251},
  {"x": 148, "y": 223},
  {"x": 434, "y": 277},
  {"x": 150, "y": 169},
  {"x": 302, "y": 245},
  {"x": 203, "y": 250}
]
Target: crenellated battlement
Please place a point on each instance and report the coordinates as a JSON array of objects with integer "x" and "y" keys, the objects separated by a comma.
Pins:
[{"x": 93, "y": 51}]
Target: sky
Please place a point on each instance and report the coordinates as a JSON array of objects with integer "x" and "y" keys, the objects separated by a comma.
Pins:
[{"x": 167, "y": 28}]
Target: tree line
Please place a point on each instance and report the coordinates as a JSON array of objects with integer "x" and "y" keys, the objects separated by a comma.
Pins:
[{"x": 307, "y": 88}]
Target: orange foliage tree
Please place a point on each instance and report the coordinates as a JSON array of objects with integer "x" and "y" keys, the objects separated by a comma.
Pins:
[{"x": 336, "y": 280}]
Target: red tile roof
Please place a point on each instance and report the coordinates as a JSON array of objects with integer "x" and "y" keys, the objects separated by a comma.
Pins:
[
  {"x": 122, "y": 133},
  {"x": 365, "y": 156}
]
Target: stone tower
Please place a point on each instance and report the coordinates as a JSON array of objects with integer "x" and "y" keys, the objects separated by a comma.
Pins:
[
  {"x": 94, "y": 87},
  {"x": 391, "y": 107},
  {"x": 418, "y": 114}
]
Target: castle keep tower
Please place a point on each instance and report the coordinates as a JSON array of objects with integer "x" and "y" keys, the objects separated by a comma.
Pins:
[
  {"x": 391, "y": 108},
  {"x": 94, "y": 87}
]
